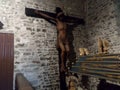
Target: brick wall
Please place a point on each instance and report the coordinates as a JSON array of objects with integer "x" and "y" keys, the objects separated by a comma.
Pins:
[
  {"x": 35, "y": 53},
  {"x": 102, "y": 20}
]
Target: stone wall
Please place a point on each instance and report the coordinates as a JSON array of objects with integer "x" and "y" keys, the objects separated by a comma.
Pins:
[
  {"x": 101, "y": 22},
  {"x": 35, "y": 54}
]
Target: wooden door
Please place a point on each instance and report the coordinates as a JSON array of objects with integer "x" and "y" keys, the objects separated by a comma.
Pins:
[{"x": 6, "y": 61}]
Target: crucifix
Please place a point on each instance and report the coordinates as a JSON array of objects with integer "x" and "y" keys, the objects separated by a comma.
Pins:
[{"x": 60, "y": 21}]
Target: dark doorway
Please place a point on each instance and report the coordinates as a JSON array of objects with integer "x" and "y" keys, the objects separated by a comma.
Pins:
[{"x": 6, "y": 61}]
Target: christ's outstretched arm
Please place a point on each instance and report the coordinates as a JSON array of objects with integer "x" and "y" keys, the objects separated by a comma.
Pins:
[{"x": 46, "y": 16}]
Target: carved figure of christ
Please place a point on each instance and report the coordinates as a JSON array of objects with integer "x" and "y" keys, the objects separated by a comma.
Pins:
[{"x": 60, "y": 21}]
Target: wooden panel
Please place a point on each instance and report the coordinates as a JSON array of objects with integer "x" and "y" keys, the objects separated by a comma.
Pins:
[{"x": 6, "y": 61}]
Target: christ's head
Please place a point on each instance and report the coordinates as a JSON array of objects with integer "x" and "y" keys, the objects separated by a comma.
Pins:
[{"x": 59, "y": 13}]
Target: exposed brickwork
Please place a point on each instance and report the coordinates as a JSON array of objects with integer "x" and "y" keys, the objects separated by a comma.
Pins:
[
  {"x": 102, "y": 21},
  {"x": 35, "y": 53}
]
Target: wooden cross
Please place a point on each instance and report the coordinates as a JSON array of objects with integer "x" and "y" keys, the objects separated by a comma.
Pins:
[
  {"x": 67, "y": 19},
  {"x": 31, "y": 12}
]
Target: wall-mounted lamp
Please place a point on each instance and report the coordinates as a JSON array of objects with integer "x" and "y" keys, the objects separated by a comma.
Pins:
[{"x": 1, "y": 25}]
